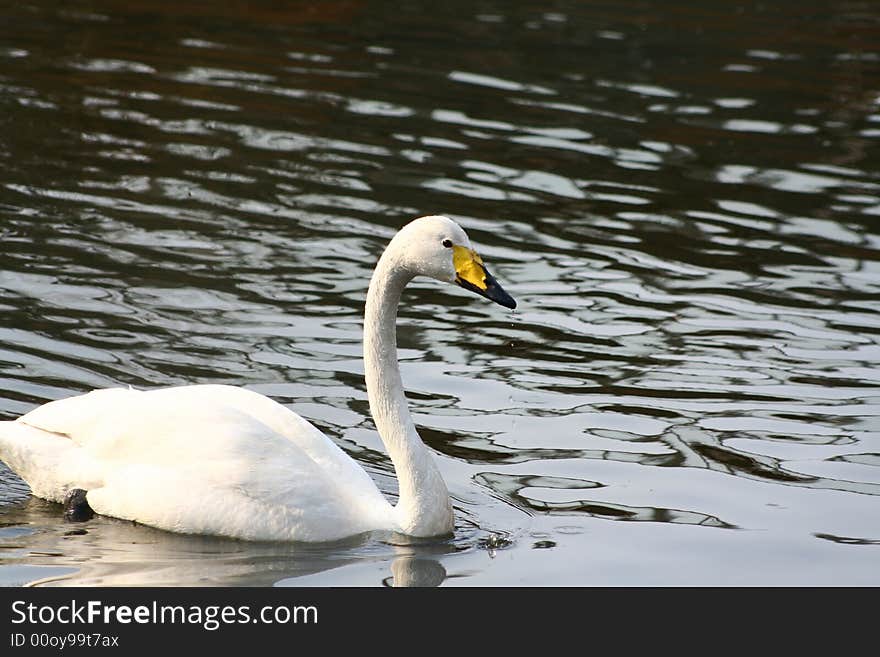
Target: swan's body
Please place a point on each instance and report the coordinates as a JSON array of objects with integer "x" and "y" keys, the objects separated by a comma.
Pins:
[{"x": 211, "y": 459}]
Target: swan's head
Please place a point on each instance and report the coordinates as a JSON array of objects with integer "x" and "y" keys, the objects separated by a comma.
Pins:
[{"x": 436, "y": 246}]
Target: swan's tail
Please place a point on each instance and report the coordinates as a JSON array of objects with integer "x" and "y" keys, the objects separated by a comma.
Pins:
[{"x": 50, "y": 463}]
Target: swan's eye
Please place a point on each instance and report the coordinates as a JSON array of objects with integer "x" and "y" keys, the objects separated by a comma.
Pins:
[{"x": 447, "y": 244}]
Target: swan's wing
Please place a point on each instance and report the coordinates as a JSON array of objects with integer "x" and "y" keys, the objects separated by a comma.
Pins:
[
  {"x": 257, "y": 486},
  {"x": 50, "y": 463},
  {"x": 201, "y": 459},
  {"x": 278, "y": 418},
  {"x": 123, "y": 424}
]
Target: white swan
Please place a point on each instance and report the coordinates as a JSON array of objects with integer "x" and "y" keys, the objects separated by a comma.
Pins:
[{"x": 221, "y": 460}]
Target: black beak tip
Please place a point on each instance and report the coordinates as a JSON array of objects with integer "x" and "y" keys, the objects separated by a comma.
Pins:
[
  {"x": 493, "y": 292},
  {"x": 504, "y": 299},
  {"x": 496, "y": 293}
]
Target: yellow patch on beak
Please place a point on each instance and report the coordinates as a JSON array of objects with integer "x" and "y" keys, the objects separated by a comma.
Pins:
[{"x": 469, "y": 266}]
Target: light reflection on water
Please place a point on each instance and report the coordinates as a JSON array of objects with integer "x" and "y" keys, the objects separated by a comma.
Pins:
[{"x": 682, "y": 205}]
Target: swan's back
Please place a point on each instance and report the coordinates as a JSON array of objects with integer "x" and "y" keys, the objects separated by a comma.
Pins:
[{"x": 203, "y": 459}]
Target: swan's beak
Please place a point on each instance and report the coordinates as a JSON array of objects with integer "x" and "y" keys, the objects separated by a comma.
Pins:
[{"x": 471, "y": 274}]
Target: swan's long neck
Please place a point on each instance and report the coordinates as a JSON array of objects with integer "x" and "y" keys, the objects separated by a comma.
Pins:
[{"x": 423, "y": 508}]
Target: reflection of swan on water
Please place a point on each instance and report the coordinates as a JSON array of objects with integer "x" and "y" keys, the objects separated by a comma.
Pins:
[
  {"x": 211, "y": 459},
  {"x": 415, "y": 571},
  {"x": 40, "y": 551}
]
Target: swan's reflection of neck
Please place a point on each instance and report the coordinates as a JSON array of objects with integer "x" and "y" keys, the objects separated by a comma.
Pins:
[{"x": 409, "y": 570}]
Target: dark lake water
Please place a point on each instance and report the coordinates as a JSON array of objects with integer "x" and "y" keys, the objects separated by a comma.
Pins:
[{"x": 684, "y": 198}]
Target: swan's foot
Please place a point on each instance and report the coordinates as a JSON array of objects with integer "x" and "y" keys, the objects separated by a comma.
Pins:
[{"x": 76, "y": 507}]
